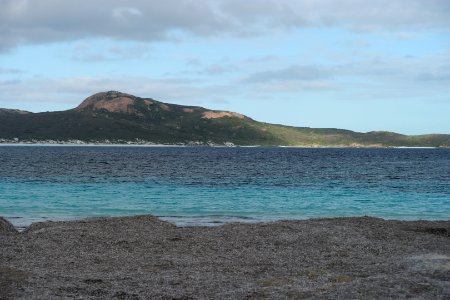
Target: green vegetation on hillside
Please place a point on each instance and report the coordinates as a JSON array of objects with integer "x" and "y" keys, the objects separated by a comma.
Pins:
[{"x": 116, "y": 117}]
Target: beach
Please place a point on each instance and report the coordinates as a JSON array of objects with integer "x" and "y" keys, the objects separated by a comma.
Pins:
[{"x": 143, "y": 257}]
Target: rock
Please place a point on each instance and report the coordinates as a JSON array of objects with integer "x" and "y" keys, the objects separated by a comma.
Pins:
[{"x": 6, "y": 227}]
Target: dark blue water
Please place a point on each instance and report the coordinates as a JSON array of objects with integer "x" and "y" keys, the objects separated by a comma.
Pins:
[{"x": 215, "y": 185}]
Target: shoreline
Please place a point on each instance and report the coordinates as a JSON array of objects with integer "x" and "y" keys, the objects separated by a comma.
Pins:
[
  {"x": 185, "y": 221},
  {"x": 143, "y": 257},
  {"x": 151, "y": 145}
]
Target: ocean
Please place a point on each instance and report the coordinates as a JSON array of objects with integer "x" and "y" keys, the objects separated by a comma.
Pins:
[{"x": 193, "y": 186}]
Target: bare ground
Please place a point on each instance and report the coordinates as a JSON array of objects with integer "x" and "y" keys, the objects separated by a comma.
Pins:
[{"x": 143, "y": 257}]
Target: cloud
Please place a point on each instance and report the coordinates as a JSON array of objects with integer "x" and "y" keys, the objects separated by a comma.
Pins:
[
  {"x": 294, "y": 72},
  {"x": 370, "y": 78},
  {"x": 126, "y": 12},
  {"x": 437, "y": 72},
  {"x": 261, "y": 59},
  {"x": 43, "y": 21},
  {"x": 219, "y": 69},
  {"x": 274, "y": 90},
  {"x": 10, "y": 71},
  {"x": 23, "y": 21},
  {"x": 90, "y": 52},
  {"x": 436, "y": 76},
  {"x": 70, "y": 91}
]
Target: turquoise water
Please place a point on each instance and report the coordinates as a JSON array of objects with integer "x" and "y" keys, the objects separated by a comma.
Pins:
[{"x": 207, "y": 186}]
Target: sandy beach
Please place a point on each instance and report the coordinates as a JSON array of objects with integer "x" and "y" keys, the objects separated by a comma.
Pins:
[{"x": 143, "y": 257}]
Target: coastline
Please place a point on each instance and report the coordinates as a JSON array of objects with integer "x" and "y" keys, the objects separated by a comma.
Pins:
[
  {"x": 143, "y": 257},
  {"x": 185, "y": 221},
  {"x": 199, "y": 144}
]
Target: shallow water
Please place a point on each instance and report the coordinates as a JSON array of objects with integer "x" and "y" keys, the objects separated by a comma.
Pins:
[{"x": 209, "y": 186}]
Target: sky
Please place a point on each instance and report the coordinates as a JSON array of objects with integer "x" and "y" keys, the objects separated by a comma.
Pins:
[{"x": 354, "y": 64}]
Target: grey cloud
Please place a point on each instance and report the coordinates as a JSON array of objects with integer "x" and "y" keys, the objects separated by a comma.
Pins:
[
  {"x": 23, "y": 21},
  {"x": 289, "y": 87},
  {"x": 68, "y": 92},
  {"x": 295, "y": 72},
  {"x": 90, "y": 57},
  {"x": 10, "y": 71},
  {"x": 26, "y": 21},
  {"x": 437, "y": 70},
  {"x": 218, "y": 69},
  {"x": 126, "y": 12},
  {"x": 193, "y": 61},
  {"x": 390, "y": 77},
  {"x": 438, "y": 76},
  {"x": 378, "y": 77},
  {"x": 291, "y": 80},
  {"x": 84, "y": 52},
  {"x": 10, "y": 83},
  {"x": 261, "y": 59}
]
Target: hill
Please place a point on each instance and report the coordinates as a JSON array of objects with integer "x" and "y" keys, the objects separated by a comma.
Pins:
[{"x": 119, "y": 118}]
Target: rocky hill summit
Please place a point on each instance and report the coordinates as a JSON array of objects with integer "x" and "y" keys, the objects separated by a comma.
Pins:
[
  {"x": 118, "y": 102},
  {"x": 115, "y": 102}
]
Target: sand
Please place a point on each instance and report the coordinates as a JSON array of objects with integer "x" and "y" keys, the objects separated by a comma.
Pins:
[{"x": 143, "y": 257}]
